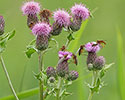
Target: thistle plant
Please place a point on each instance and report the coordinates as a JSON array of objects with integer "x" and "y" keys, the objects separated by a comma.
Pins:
[
  {"x": 53, "y": 81},
  {"x": 4, "y": 38}
]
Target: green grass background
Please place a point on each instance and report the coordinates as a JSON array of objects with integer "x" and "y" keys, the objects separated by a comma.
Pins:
[{"x": 110, "y": 14}]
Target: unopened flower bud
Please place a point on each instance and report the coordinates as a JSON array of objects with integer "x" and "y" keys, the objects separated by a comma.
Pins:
[
  {"x": 32, "y": 19},
  {"x": 51, "y": 79},
  {"x": 56, "y": 29},
  {"x": 90, "y": 66},
  {"x": 73, "y": 75},
  {"x": 62, "y": 68},
  {"x": 51, "y": 72},
  {"x": 76, "y": 24},
  {"x": 2, "y": 24},
  {"x": 99, "y": 63},
  {"x": 41, "y": 42},
  {"x": 91, "y": 57}
]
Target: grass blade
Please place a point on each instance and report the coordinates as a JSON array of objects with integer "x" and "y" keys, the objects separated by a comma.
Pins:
[
  {"x": 22, "y": 95},
  {"x": 121, "y": 69}
]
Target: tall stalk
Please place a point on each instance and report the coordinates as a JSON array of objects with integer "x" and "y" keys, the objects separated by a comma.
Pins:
[
  {"x": 94, "y": 80},
  {"x": 8, "y": 78},
  {"x": 40, "y": 58},
  {"x": 59, "y": 88}
]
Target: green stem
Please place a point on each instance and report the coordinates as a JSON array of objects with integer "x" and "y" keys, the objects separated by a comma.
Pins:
[
  {"x": 8, "y": 78},
  {"x": 90, "y": 95},
  {"x": 59, "y": 88},
  {"x": 67, "y": 44},
  {"x": 94, "y": 80},
  {"x": 40, "y": 70}
]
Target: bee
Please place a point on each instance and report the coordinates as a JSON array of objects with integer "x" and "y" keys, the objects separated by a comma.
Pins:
[
  {"x": 63, "y": 48},
  {"x": 100, "y": 42},
  {"x": 75, "y": 59},
  {"x": 31, "y": 25},
  {"x": 81, "y": 49}
]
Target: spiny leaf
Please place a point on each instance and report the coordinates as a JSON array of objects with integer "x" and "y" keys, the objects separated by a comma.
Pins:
[
  {"x": 70, "y": 37},
  {"x": 11, "y": 34},
  {"x": 31, "y": 49}
]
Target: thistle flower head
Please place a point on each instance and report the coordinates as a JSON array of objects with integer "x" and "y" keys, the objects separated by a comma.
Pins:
[
  {"x": 80, "y": 11},
  {"x": 41, "y": 29},
  {"x": 62, "y": 69},
  {"x": 92, "y": 47},
  {"x": 44, "y": 15},
  {"x": 99, "y": 62},
  {"x": 2, "y": 24},
  {"x": 65, "y": 54},
  {"x": 62, "y": 17},
  {"x": 30, "y": 8},
  {"x": 51, "y": 72},
  {"x": 73, "y": 75}
]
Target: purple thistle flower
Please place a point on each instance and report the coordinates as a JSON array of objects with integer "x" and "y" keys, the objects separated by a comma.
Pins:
[
  {"x": 30, "y": 8},
  {"x": 62, "y": 18},
  {"x": 66, "y": 54},
  {"x": 99, "y": 63},
  {"x": 92, "y": 47},
  {"x": 73, "y": 75},
  {"x": 80, "y": 11},
  {"x": 2, "y": 25},
  {"x": 41, "y": 29}
]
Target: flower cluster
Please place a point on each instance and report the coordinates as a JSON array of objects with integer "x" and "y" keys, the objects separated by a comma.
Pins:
[
  {"x": 59, "y": 77},
  {"x": 94, "y": 62},
  {"x": 43, "y": 29},
  {"x": 62, "y": 69}
]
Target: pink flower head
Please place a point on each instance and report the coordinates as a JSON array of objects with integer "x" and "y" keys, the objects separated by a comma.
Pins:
[
  {"x": 62, "y": 17},
  {"x": 79, "y": 10},
  {"x": 90, "y": 47},
  {"x": 41, "y": 29},
  {"x": 30, "y": 8},
  {"x": 65, "y": 53}
]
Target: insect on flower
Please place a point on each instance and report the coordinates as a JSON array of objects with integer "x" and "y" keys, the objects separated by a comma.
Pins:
[
  {"x": 63, "y": 48},
  {"x": 81, "y": 49},
  {"x": 100, "y": 42},
  {"x": 75, "y": 59}
]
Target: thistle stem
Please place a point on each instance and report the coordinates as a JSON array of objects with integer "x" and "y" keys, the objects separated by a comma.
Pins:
[
  {"x": 40, "y": 58},
  {"x": 8, "y": 78},
  {"x": 94, "y": 80},
  {"x": 59, "y": 88},
  {"x": 67, "y": 44}
]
